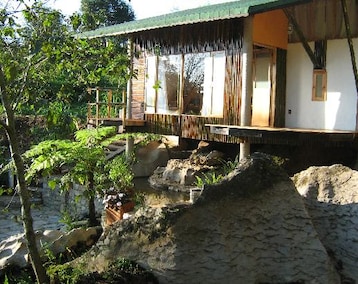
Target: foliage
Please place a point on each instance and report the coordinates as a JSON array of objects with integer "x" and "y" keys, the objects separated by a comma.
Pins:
[
  {"x": 208, "y": 178},
  {"x": 64, "y": 274},
  {"x": 120, "y": 271},
  {"x": 67, "y": 219},
  {"x": 105, "y": 12},
  {"x": 41, "y": 62},
  {"x": 58, "y": 67},
  {"x": 16, "y": 276},
  {"x": 96, "y": 136},
  {"x": 212, "y": 177},
  {"x": 82, "y": 162},
  {"x": 119, "y": 173},
  {"x": 60, "y": 120}
]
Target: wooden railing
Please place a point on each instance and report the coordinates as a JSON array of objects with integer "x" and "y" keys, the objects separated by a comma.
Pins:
[
  {"x": 100, "y": 111},
  {"x": 109, "y": 111}
]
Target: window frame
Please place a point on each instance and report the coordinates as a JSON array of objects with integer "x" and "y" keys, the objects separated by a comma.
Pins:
[
  {"x": 153, "y": 79},
  {"x": 323, "y": 87}
]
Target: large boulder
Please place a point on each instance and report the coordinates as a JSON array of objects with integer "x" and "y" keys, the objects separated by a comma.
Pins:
[
  {"x": 250, "y": 228},
  {"x": 149, "y": 157},
  {"x": 331, "y": 197},
  {"x": 14, "y": 252}
]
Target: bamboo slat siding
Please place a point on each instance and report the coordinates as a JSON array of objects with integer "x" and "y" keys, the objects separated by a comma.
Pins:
[
  {"x": 138, "y": 86},
  {"x": 232, "y": 89},
  {"x": 210, "y": 36},
  {"x": 163, "y": 124}
]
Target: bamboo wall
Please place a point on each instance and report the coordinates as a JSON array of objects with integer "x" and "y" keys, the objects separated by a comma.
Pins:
[{"x": 138, "y": 88}]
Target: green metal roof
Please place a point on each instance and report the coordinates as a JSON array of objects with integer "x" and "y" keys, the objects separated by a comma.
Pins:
[{"x": 235, "y": 9}]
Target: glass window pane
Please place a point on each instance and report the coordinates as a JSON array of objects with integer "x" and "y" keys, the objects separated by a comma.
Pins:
[
  {"x": 319, "y": 85},
  {"x": 168, "y": 84},
  {"x": 149, "y": 83},
  {"x": 194, "y": 66}
]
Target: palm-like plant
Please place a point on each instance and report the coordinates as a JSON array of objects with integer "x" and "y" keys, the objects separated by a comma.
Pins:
[{"x": 79, "y": 161}]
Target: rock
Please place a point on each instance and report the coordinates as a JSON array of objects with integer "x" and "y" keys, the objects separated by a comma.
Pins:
[
  {"x": 252, "y": 227},
  {"x": 331, "y": 198},
  {"x": 153, "y": 155},
  {"x": 13, "y": 251},
  {"x": 180, "y": 174},
  {"x": 177, "y": 175}
]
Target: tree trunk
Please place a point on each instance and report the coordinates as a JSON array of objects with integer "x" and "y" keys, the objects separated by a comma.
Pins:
[
  {"x": 91, "y": 205},
  {"x": 27, "y": 220},
  {"x": 36, "y": 262}
]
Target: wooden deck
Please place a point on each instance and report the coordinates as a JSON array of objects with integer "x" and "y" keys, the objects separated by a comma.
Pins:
[{"x": 283, "y": 135}]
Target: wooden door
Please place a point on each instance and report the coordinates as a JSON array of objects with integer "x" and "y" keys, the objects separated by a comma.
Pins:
[{"x": 261, "y": 97}]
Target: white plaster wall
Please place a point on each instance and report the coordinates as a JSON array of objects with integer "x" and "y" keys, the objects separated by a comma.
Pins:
[{"x": 339, "y": 111}]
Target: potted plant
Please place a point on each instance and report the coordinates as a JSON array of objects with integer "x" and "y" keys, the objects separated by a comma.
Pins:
[{"x": 116, "y": 204}]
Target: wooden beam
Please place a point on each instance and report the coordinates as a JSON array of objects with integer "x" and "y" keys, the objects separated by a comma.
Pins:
[
  {"x": 351, "y": 49},
  {"x": 301, "y": 36},
  {"x": 350, "y": 41}
]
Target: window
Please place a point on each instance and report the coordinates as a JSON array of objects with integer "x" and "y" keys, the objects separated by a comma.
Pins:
[
  {"x": 194, "y": 69},
  {"x": 319, "y": 89},
  {"x": 150, "y": 84},
  {"x": 192, "y": 84},
  {"x": 168, "y": 85},
  {"x": 204, "y": 82},
  {"x": 163, "y": 84}
]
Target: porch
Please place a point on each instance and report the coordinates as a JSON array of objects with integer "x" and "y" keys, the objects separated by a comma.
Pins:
[{"x": 284, "y": 136}]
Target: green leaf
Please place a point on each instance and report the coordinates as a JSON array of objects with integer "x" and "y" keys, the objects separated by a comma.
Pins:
[{"x": 52, "y": 184}]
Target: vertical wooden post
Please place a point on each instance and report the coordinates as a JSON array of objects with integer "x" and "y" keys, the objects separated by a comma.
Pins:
[
  {"x": 247, "y": 83},
  {"x": 109, "y": 103},
  {"x": 129, "y": 139},
  {"x": 122, "y": 105},
  {"x": 351, "y": 49},
  {"x": 97, "y": 106}
]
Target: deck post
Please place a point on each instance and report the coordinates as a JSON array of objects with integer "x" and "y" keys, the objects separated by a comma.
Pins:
[
  {"x": 247, "y": 83},
  {"x": 129, "y": 139}
]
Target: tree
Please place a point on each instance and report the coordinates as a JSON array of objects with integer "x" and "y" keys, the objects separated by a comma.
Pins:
[
  {"x": 105, "y": 13},
  {"x": 17, "y": 61},
  {"x": 69, "y": 66},
  {"x": 85, "y": 163},
  {"x": 36, "y": 59}
]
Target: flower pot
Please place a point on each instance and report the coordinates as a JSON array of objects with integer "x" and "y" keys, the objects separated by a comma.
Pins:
[{"x": 116, "y": 214}]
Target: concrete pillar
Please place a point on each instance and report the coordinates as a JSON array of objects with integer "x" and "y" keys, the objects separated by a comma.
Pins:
[{"x": 247, "y": 83}]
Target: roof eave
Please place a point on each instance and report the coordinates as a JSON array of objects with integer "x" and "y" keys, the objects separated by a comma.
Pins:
[{"x": 197, "y": 15}]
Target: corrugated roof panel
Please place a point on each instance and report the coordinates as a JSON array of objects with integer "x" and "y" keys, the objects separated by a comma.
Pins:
[{"x": 235, "y": 9}]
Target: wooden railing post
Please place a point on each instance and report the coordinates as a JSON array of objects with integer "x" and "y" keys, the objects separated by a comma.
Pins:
[
  {"x": 109, "y": 100},
  {"x": 97, "y": 106}
]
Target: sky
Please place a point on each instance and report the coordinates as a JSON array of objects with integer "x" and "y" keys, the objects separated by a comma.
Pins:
[{"x": 142, "y": 8}]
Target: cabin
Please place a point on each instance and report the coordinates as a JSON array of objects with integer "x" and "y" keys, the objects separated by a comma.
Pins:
[{"x": 247, "y": 72}]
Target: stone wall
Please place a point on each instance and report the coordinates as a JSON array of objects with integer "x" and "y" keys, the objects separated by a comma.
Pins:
[
  {"x": 251, "y": 228},
  {"x": 73, "y": 201}
]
